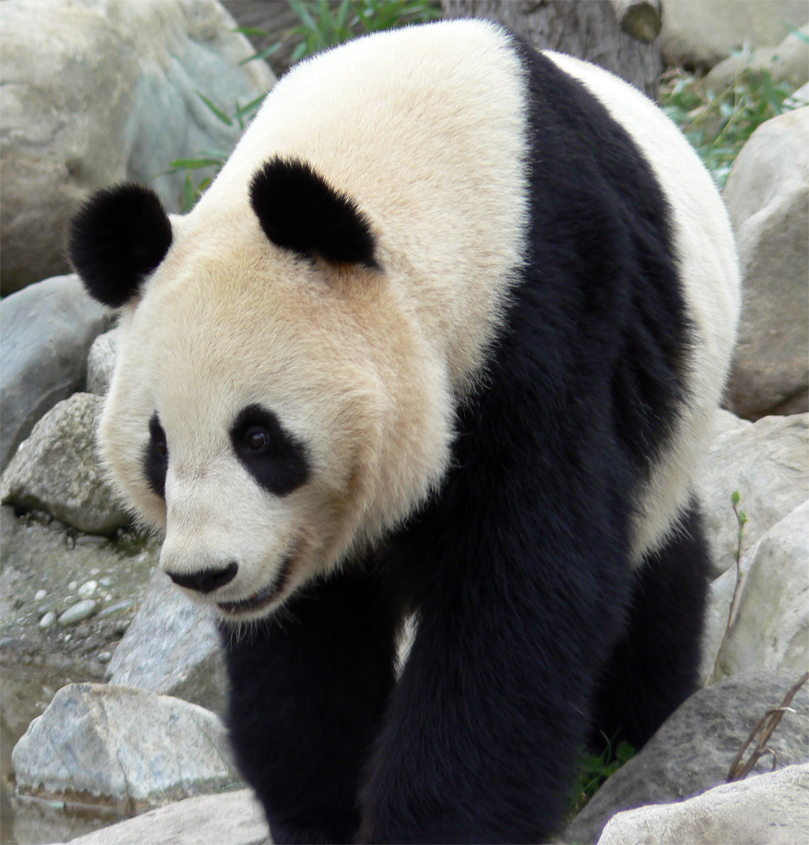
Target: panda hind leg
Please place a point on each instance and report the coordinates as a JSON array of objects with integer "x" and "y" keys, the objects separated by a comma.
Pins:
[{"x": 655, "y": 665}]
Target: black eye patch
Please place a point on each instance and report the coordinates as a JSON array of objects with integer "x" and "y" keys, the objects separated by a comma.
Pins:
[
  {"x": 156, "y": 457},
  {"x": 277, "y": 460}
]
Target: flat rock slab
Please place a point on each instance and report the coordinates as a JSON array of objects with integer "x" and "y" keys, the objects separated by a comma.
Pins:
[
  {"x": 122, "y": 748},
  {"x": 694, "y": 749},
  {"x": 771, "y": 809},
  {"x": 233, "y": 818}
]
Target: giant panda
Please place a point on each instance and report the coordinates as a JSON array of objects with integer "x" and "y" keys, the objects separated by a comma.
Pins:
[{"x": 443, "y": 339}]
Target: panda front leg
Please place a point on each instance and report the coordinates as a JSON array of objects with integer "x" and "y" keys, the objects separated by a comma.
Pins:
[
  {"x": 307, "y": 691},
  {"x": 483, "y": 730}
]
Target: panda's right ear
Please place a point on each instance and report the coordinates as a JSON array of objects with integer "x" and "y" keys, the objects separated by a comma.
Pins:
[{"x": 117, "y": 238}]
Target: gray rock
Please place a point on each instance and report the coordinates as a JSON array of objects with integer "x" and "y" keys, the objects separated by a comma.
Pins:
[
  {"x": 788, "y": 62},
  {"x": 768, "y": 199},
  {"x": 129, "y": 749},
  {"x": 232, "y": 819},
  {"x": 172, "y": 647},
  {"x": 694, "y": 749},
  {"x": 767, "y": 464},
  {"x": 101, "y": 363},
  {"x": 45, "y": 332},
  {"x": 94, "y": 92},
  {"x": 769, "y": 809},
  {"x": 704, "y": 33},
  {"x": 78, "y": 613},
  {"x": 771, "y": 627},
  {"x": 56, "y": 470}
]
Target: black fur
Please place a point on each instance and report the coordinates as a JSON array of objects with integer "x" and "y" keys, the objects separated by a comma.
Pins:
[
  {"x": 519, "y": 569},
  {"x": 279, "y": 463},
  {"x": 300, "y": 211},
  {"x": 156, "y": 457},
  {"x": 117, "y": 238},
  {"x": 658, "y": 657}
]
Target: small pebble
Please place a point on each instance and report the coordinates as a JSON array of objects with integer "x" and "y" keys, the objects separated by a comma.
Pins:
[
  {"x": 79, "y": 612},
  {"x": 40, "y": 594},
  {"x": 88, "y": 589},
  {"x": 72, "y": 585},
  {"x": 104, "y": 657},
  {"x": 48, "y": 620},
  {"x": 106, "y": 581},
  {"x": 118, "y": 607}
]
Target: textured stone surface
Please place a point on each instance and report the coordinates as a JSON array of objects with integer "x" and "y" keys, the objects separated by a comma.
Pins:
[
  {"x": 789, "y": 61},
  {"x": 694, "y": 749},
  {"x": 94, "y": 92},
  {"x": 45, "y": 333},
  {"x": 767, "y": 463},
  {"x": 128, "y": 749},
  {"x": 771, "y": 809},
  {"x": 702, "y": 33},
  {"x": 232, "y": 819},
  {"x": 768, "y": 199},
  {"x": 56, "y": 470},
  {"x": 172, "y": 647},
  {"x": 771, "y": 627},
  {"x": 101, "y": 362}
]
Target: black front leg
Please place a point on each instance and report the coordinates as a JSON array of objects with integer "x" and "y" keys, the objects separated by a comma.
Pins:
[{"x": 307, "y": 692}]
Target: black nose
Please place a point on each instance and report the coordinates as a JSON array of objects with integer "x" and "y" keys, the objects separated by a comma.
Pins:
[{"x": 208, "y": 579}]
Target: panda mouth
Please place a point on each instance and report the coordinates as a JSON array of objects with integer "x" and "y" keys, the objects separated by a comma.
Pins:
[{"x": 263, "y": 598}]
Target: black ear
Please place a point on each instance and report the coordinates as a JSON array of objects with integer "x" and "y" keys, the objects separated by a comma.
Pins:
[
  {"x": 299, "y": 210},
  {"x": 117, "y": 238}
]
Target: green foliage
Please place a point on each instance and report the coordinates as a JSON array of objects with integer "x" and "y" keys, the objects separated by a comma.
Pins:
[
  {"x": 718, "y": 124},
  {"x": 322, "y": 25},
  {"x": 594, "y": 769}
]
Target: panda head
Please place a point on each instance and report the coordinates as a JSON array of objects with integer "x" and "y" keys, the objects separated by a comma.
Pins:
[{"x": 274, "y": 407}]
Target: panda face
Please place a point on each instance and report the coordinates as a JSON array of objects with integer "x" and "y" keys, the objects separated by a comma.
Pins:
[{"x": 266, "y": 454}]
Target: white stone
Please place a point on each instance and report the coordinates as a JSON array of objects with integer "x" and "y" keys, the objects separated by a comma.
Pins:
[
  {"x": 703, "y": 32},
  {"x": 771, "y": 627},
  {"x": 235, "y": 818},
  {"x": 131, "y": 749},
  {"x": 770, "y": 809},
  {"x": 56, "y": 470},
  {"x": 95, "y": 92},
  {"x": 767, "y": 464},
  {"x": 767, "y": 195}
]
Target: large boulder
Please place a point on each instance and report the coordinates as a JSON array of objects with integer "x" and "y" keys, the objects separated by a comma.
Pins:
[
  {"x": 94, "y": 92},
  {"x": 56, "y": 470},
  {"x": 127, "y": 749},
  {"x": 693, "y": 751},
  {"x": 45, "y": 333},
  {"x": 767, "y": 196},
  {"x": 702, "y": 34},
  {"x": 767, "y": 810},
  {"x": 766, "y": 463},
  {"x": 788, "y": 62},
  {"x": 172, "y": 648},
  {"x": 771, "y": 622}
]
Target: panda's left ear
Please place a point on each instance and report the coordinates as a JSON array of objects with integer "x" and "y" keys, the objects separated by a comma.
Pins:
[
  {"x": 298, "y": 210},
  {"x": 117, "y": 238}
]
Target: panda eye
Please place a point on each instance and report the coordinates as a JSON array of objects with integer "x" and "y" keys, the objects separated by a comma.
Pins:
[
  {"x": 256, "y": 438},
  {"x": 161, "y": 448},
  {"x": 271, "y": 454}
]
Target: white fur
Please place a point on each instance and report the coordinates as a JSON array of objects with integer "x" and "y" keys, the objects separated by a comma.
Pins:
[{"x": 425, "y": 129}]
